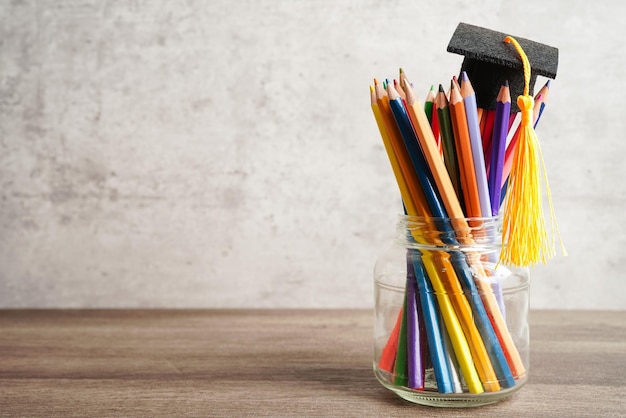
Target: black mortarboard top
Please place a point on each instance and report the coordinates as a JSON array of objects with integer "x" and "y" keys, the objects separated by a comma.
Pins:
[{"x": 489, "y": 61}]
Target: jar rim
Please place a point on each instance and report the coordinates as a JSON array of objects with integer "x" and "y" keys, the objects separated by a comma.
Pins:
[
  {"x": 417, "y": 218},
  {"x": 428, "y": 232}
]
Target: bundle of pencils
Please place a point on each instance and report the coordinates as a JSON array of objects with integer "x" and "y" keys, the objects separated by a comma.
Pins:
[
  {"x": 455, "y": 162},
  {"x": 460, "y": 316}
]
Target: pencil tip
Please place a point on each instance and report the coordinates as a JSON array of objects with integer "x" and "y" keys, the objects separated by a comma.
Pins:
[
  {"x": 548, "y": 83},
  {"x": 401, "y": 70},
  {"x": 506, "y": 83},
  {"x": 441, "y": 89},
  {"x": 464, "y": 76}
]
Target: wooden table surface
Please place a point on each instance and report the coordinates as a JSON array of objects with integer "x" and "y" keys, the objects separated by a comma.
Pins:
[{"x": 274, "y": 363}]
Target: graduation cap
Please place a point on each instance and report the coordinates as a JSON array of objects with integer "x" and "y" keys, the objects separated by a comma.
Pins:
[{"x": 489, "y": 61}]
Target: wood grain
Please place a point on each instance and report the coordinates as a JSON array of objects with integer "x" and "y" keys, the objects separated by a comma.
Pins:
[{"x": 273, "y": 363}]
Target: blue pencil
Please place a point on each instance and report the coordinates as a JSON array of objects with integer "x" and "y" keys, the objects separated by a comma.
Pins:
[
  {"x": 415, "y": 153},
  {"x": 435, "y": 339},
  {"x": 540, "y": 99},
  {"x": 485, "y": 328}
]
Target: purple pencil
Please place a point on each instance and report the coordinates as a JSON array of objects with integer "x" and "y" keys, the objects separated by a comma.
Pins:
[
  {"x": 471, "y": 114},
  {"x": 498, "y": 141},
  {"x": 414, "y": 337}
]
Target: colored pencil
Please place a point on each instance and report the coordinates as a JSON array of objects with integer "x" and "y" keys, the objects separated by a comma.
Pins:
[
  {"x": 451, "y": 360},
  {"x": 420, "y": 166},
  {"x": 412, "y": 194},
  {"x": 447, "y": 141},
  {"x": 498, "y": 362},
  {"x": 388, "y": 354},
  {"x": 428, "y": 146},
  {"x": 464, "y": 152},
  {"x": 400, "y": 365},
  {"x": 471, "y": 113},
  {"x": 444, "y": 375},
  {"x": 540, "y": 102},
  {"x": 415, "y": 340},
  {"x": 486, "y": 133},
  {"x": 453, "y": 323},
  {"x": 503, "y": 106},
  {"x": 391, "y": 154},
  {"x": 428, "y": 104},
  {"x": 434, "y": 125},
  {"x": 399, "y": 89}
]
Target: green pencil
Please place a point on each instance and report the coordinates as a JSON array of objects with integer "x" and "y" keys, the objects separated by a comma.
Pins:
[
  {"x": 447, "y": 139},
  {"x": 400, "y": 371},
  {"x": 428, "y": 104}
]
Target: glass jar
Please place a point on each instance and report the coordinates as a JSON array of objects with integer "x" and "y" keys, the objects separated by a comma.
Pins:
[{"x": 450, "y": 321}]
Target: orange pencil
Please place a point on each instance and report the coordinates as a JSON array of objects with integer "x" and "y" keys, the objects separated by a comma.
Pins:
[
  {"x": 388, "y": 355},
  {"x": 464, "y": 151},
  {"x": 429, "y": 147},
  {"x": 416, "y": 206}
]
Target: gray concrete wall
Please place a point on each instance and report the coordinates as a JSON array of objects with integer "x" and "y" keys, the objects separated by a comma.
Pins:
[{"x": 223, "y": 153}]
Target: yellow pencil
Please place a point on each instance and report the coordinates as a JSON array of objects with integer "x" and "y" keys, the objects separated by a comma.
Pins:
[
  {"x": 393, "y": 159},
  {"x": 435, "y": 266},
  {"x": 404, "y": 160}
]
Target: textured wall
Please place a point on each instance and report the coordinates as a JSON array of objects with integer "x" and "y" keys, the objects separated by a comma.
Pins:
[{"x": 223, "y": 153}]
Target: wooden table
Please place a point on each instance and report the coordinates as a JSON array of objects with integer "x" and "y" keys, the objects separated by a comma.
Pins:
[{"x": 273, "y": 363}]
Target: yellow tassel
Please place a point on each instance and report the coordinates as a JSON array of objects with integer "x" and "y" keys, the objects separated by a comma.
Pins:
[{"x": 525, "y": 237}]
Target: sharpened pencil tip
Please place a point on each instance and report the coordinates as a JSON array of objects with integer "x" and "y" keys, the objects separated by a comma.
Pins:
[
  {"x": 441, "y": 89},
  {"x": 548, "y": 83},
  {"x": 464, "y": 76},
  {"x": 506, "y": 83},
  {"x": 401, "y": 70}
]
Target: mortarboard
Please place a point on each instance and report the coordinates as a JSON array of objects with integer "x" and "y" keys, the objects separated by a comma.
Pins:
[{"x": 489, "y": 61}]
